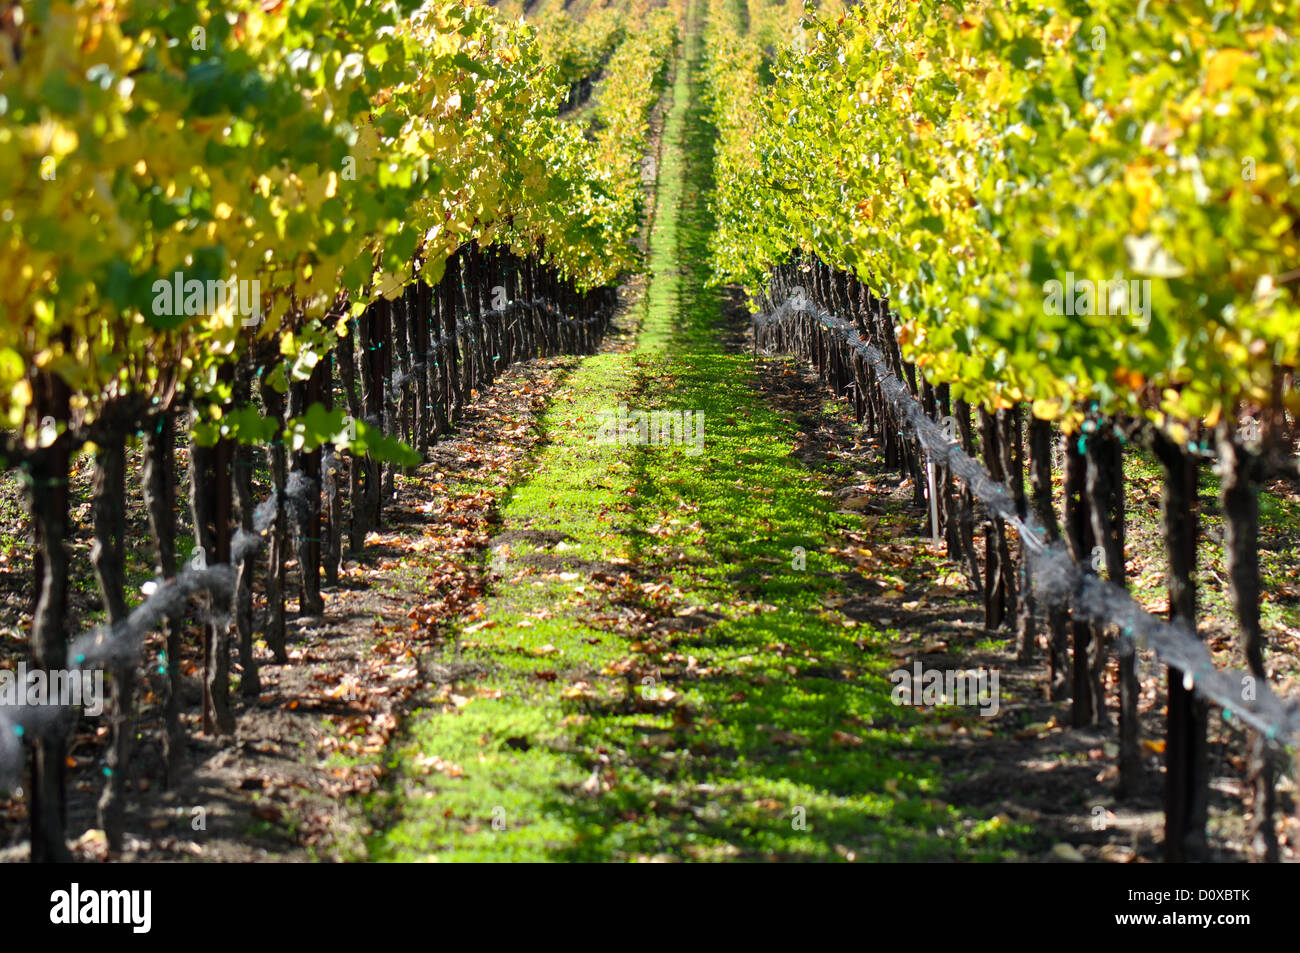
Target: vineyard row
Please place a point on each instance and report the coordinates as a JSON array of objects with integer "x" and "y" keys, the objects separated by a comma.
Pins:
[
  {"x": 1051, "y": 580},
  {"x": 399, "y": 377}
]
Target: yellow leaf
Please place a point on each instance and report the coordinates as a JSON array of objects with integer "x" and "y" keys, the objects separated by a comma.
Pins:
[
  {"x": 21, "y": 393},
  {"x": 1222, "y": 68},
  {"x": 390, "y": 286},
  {"x": 1047, "y": 409}
]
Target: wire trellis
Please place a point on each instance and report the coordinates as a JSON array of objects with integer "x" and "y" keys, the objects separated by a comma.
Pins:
[{"x": 1056, "y": 577}]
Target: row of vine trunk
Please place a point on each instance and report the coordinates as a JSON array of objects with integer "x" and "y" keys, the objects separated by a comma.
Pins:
[
  {"x": 1020, "y": 451},
  {"x": 407, "y": 366}
]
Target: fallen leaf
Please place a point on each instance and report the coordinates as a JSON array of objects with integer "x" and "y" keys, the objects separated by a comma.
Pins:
[
  {"x": 1067, "y": 853},
  {"x": 268, "y": 812},
  {"x": 789, "y": 738}
]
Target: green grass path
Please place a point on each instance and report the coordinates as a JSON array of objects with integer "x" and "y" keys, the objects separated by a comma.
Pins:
[{"x": 661, "y": 682}]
